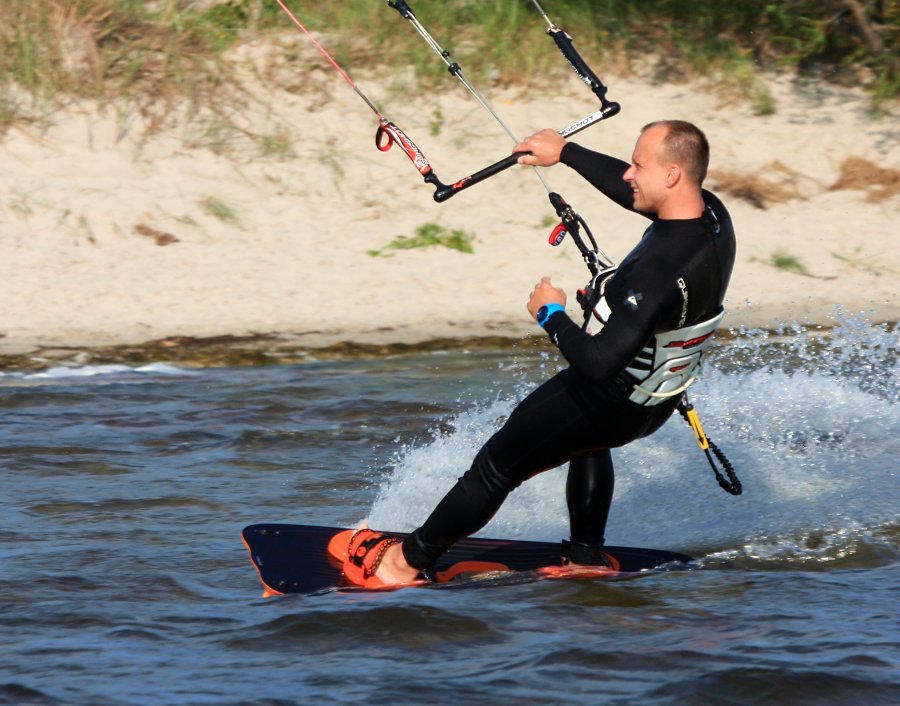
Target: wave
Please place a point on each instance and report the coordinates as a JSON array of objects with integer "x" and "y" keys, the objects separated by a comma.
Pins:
[{"x": 66, "y": 372}]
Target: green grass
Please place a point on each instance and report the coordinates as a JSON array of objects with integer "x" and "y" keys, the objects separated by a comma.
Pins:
[
  {"x": 157, "y": 54},
  {"x": 217, "y": 208},
  {"x": 870, "y": 264},
  {"x": 783, "y": 260},
  {"x": 429, "y": 235},
  {"x": 548, "y": 221},
  {"x": 278, "y": 145},
  {"x": 330, "y": 155},
  {"x": 436, "y": 124}
]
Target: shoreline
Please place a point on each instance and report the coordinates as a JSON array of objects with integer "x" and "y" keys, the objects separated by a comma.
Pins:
[{"x": 279, "y": 349}]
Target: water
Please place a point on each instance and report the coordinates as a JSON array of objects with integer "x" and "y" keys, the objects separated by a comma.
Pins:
[{"x": 125, "y": 489}]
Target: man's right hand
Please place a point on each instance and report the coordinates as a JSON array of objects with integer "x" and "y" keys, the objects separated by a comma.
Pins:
[
  {"x": 544, "y": 292},
  {"x": 545, "y": 147}
]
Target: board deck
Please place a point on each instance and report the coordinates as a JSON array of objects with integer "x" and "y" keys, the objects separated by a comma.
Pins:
[{"x": 295, "y": 559}]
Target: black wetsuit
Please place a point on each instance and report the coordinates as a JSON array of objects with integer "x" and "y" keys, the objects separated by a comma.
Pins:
[{"x": 583, "y": 411}]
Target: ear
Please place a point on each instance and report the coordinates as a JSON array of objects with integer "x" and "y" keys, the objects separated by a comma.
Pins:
[{"x": 673, "y": 175}]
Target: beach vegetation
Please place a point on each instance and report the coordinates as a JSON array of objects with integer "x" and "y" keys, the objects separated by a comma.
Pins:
[
  {"x": 782, "y": 260},
  {"x": 215, "y": 133},
  {"x": 277, "y": 144},
  {"x": 159, "y": 54},
  {"x": 880, "y": 183},
  {"x": 436, "y": 123},
  {"x": 870, "y": 264},
  {"x": 773, "y": 183},
  {"x": 214, "y": 206},
  {"x": 429, "y": 235},
  {"x": 20, "y": 204},
  {"x": 187, "y": 220},
  {"x": 548, "y": 220},
  {"x": 160, "y": 237},
  {"x": 329, "y": 154}
]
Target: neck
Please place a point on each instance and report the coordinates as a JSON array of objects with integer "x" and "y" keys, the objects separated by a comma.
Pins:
[{"x": 682, "y": 207}]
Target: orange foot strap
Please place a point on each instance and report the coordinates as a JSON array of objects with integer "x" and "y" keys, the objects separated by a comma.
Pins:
[
  {"x": 567, "y": 571},
  {"x": 362, "y": 551},
  {"x": 338, "y": 545}
]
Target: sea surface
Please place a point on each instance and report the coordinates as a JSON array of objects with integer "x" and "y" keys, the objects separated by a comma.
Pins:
[{"x": 124, "y": 580}]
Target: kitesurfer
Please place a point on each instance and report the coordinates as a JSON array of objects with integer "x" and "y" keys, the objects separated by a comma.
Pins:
[{"x": 651, "y": 318}]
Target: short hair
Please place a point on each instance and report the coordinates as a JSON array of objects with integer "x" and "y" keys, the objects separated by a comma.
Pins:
[{"x": 685, "y": 144}]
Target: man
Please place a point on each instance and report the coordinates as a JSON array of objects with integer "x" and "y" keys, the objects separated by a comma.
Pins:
[{"x": 656, "y": 313}]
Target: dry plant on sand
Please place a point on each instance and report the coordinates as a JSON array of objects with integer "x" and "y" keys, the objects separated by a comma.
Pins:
[
  {"x": 881, "y": 183},
  {"x": 776, "y": 183}
]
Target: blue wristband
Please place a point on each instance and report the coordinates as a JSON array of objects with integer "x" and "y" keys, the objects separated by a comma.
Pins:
[{"x": 546, "y": 311}]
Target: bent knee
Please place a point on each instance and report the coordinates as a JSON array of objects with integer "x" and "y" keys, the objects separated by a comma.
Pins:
[{"x": 495, "y": 477}]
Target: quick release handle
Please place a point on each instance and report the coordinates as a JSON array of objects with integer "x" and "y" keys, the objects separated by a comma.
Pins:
[{"x": 559, "y": 205}]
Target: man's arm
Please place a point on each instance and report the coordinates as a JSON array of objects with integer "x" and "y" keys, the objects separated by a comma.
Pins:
[
  {"x": 548, "y": 147},
  {"x": 599, "y": 357},
  {"x": 601, "y": 171}
]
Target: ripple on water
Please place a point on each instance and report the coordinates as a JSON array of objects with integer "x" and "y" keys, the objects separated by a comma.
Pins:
[
  {"x": 386, "y": 628},
  {"x": 772, "y": 684}
]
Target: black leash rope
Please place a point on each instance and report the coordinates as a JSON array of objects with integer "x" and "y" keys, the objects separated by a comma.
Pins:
[
  {"x": 732, "y": 484},
  {"x": 570, "y": 222}
]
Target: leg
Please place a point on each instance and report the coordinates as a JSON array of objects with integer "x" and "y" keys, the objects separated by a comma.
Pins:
[
  {"x": 589, "y": 491},
  {"x": 547, "y": 429},
  {"x": 550, "y": 427}
]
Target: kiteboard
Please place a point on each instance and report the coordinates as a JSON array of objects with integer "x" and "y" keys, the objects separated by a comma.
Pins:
[{"x": 295, "y": 559}]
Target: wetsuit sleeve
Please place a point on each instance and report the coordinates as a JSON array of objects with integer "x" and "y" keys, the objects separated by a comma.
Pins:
[
  {"x": 599, "y": 357},
  {"x": 634, "y": 317},
  {"x": 601, "y": 171}
]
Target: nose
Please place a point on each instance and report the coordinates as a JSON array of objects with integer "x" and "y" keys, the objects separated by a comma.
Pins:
[{"x": 629, "y": 174}]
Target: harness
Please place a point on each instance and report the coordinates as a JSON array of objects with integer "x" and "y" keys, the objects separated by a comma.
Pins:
[{"x": 670, "y": 362}]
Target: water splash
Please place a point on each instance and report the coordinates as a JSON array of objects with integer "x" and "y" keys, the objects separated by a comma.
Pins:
[
  {"x": 851, "y": 546},
  {"x": 808, "y": 418}
]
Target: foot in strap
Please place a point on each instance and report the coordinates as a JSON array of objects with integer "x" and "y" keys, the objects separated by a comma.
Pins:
[
  {"x": 365, "y": 550},
  {"x": 582, "y": 560},
  {"x": 588, "y": 555}
]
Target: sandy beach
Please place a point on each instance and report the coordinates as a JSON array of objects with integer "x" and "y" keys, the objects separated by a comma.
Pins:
[{"x": 113, "y": 234}]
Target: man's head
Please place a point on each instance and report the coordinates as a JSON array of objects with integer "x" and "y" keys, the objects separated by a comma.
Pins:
[{"x": 668, "y": 165}]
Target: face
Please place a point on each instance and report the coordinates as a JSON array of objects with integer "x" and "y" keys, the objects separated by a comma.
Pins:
[{"x": 648, "y": 173}]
